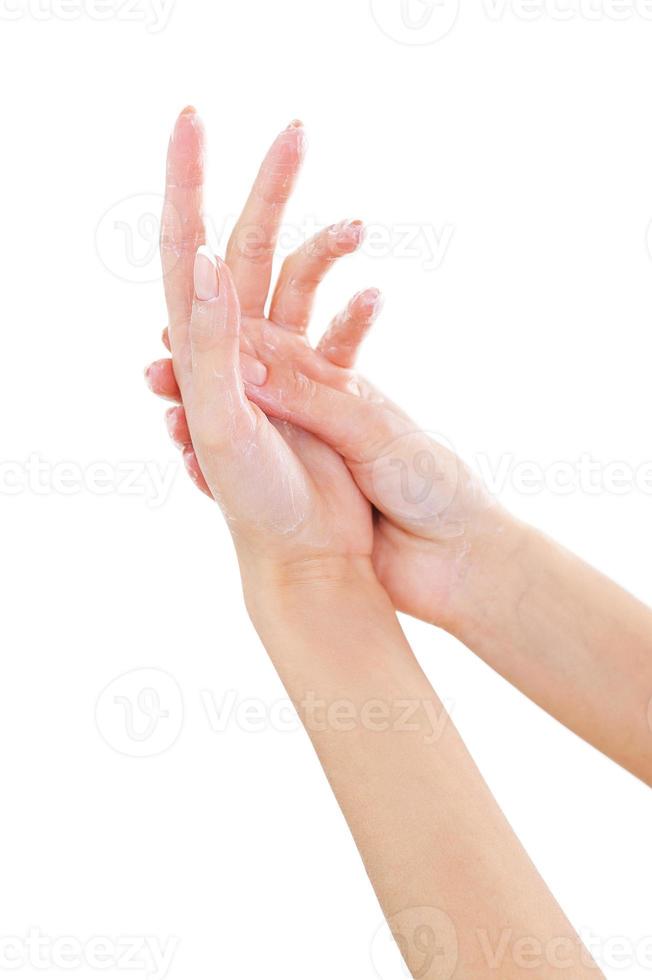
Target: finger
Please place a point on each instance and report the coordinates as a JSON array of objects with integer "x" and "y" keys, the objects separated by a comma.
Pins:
[
  {"x": 177, "y": 426},
  {"x": 250, "y": 251},
  {"x": 341, "y": 342},
  {"x": 220, "y": 417},
  {"x": 165, "y": 337},
  {"x": 359, "y": 425},
  {"x": 304, "y": 270},
  {"x": 194, "y": 470},
  {"x": 162, "y": 381},
  {"x": 182, "y": 228},
  {"x": 407, "y": 476}
]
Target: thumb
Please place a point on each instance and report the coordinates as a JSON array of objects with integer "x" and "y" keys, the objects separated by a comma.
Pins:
[{"x": 220, "y": 418}]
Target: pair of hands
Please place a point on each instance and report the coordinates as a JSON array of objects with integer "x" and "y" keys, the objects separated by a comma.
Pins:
[{"x": 316, "y": 472}]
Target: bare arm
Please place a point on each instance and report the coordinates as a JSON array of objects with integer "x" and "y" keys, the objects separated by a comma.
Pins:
[
  {"x": 565, "y": 635},
  {"x": 455, "y": 884}
]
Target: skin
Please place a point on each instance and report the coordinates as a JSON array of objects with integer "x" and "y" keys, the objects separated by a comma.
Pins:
[
  {"x": 443, "y": 550},
  {"x": 419, "y": 549},
  {"x": 455, "y": 878}
]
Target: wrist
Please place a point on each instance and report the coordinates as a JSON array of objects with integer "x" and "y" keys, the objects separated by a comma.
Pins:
[
  {"x": 493, "y": 577},
  {"x": 294, "y": 589}
]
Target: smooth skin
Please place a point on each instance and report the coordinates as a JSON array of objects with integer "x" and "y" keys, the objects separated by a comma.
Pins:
[
  {"x": 444, "y": 551},
  {"x": 454, "y": 882}
]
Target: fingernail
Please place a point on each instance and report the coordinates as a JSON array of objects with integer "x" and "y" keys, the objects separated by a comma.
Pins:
[
  {"x": 372, "y": 301},
  {"x": 186, "y": 119},
  {"x": 349, "y": 231},
  {"x": 207, "y": 280},
  {"x": 148, "y": 380},
  {"x": 253, "y": 372},
  {"x": 356, "y": 228},
  {"x": 295, "y": 133}
]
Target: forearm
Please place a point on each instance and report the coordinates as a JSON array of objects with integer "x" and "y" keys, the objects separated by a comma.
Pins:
[
  {"x": 565, "y": 635},
  {"x": 429, "y": 832}
]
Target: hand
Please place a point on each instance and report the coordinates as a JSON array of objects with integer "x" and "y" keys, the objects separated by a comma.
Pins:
[
  {"x": 434, "y": 514},
  {"x": 250, "y": 254},
  {"x": 291, "y": 504}
]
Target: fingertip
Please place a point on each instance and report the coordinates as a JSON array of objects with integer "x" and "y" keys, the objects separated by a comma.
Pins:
[
  {"x": 369, "y": 302},
  {"x": 160, "y": 379},
  {"x": 206, "y": 275},
  {"x": 175, "y": 422},
  {"x": 291, "y": 144},
  {"x": 193, "y": 469},
  {"x": 191, "y": 463},
  {"x": 357, "y": 230},
  {"x": 186, "y": 150}
]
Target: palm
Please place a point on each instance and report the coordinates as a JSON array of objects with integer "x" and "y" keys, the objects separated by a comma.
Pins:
[{"x": 305, "y": 495}]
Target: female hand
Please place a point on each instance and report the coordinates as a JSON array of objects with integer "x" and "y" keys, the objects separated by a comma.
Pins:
[
  {"x": 290, "y": 502},
  {"x": 250, "y": 254},
  {"x": 434, "y": 514}
]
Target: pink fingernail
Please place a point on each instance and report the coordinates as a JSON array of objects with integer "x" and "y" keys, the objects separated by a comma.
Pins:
[
  {"x": 148, "y": 379},
  {"x": 253, "y": 372},
  {"x": 207, "y": 280},
  {"x": 295, "y": 134},
  {"x": 186, "y": 120},
  {"x": 349, "y": 230},
  {"x": 357, "y": 229},
  {"x": 372, "y": 301}
]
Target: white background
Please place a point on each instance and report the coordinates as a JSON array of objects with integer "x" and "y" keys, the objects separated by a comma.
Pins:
[{"x": 524, "y": 144}]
